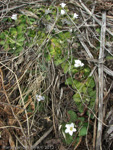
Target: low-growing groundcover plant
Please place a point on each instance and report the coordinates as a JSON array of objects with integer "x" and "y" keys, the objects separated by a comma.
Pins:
[{"x": 51, "y": 42}]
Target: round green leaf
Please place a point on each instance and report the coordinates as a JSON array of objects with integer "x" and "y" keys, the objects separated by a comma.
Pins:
[{"x": 83, "y": 131}]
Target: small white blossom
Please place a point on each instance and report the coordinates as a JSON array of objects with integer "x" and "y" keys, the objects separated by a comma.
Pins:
[
  {"x": 63, "y": 12},
  {"x": 61, "y": 41},
  {"x": 70, "y": 128},
  {"x": 62, "y": 5},
  {"x": 70, "y": 30},
  {"x": 14, "y": 16},
  {"x": 75, "y": 16},
  {"x": 40, "y": 98},
  {"x": 78, "y": 63}
]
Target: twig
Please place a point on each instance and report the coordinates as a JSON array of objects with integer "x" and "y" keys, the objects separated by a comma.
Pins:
[
  {"x": 97, "y": 20},
  {"x": 42, "y": 138},
  {"x": 85, "y": 47},
  {"x": 53, "y": 97},
  {"x": 23, "y": 4},
  {"x": 78, "y": 143},
  {"x": 100, "y": 72},
  {"x": 108, "y": 71},
  {"x": 3, "y": 127},
  {"x": 96, "y": 110},
  {"x": 32, "y": 3},
  {"x": 9, "y": 9}
]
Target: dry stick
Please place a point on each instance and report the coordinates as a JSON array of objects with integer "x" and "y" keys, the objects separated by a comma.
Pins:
[
  {"x": 85, "y": 47},
  {"x": 24, "y": 4},
  {"x": 97, "y": 20},
  {"x": 53, "y": 96},
  {"x": 108, "y": 71},
  {"x": 9, "y": 9},
  {"x": 42, "y": 138},
  {"x": 96, "y": 110},
  {"x": 100, "y": 72}
]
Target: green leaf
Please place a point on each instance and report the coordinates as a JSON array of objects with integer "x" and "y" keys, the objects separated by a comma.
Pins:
[
  {"x": 65, "y": 67},
  {"x": 59, "y": 61},
  {"x": 77, "y": 84},
  {"x": 19, "y": 29},
  {"x": 13, "y": 31},
  {"x": 84, "y": 89},
  {"x": 77, "y": 98},
  {"x": 31, "y": 33},
  {"x": 64, "y": 35},
  {"x": 2, "y": 42},
  {"x": 12, "y": 41},
  {"x": 69, "y": 81},
  {"x": 83, "y": 131},
  {"x": 98, "y": 30},
  {"x": 6, "y": 46},
  {"x": 20, "y": 39},
  {"x": 92, "y": 93},
  {"x": 81, "y": 119},
  {"x": 2, "y": 35},
  {"x": 80, "y": 107},
  {"x": 74, "y": 70},
  {"x": 86, "y": 71},
  {"x": 18, "y": 50},
  {"x": 90, "y": 82},
  {"x": 73, "y": 115}
]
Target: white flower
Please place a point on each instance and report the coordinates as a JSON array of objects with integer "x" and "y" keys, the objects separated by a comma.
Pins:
[
  {"x": 61, "y": 41},
  {"x": 78, "y": 63},
  {"x": 62, "y": 5},
  {"x": 40, "y": 98},
  {"x": 63, "y": 12},
  {"x": 14, "y": 16},
  {"x": 70, "y": 30},
  {"x": 75, "y": 16},
  {"x": 70, "y": 128}
]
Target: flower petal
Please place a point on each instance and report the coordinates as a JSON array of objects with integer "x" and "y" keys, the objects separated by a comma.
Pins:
[
  {"x": 62, "y": 12},
  {"x": 82, "y": 64},
  {"x": 74, "y": 130},
  {"x": 14, "y": 17},
  {"x": 75, "y": 16},
  {"x": 62, "y": 5},
  {"x": 39, "y": 97},
  {"x": 71, "y": 133},
  {"x": 67, "y": 125},
  {"x": 67, "y": 131},
  {"x": 72, "y": 125},
  {"x": 76, "y": 65},
  {"x": 77, "y": 61}
]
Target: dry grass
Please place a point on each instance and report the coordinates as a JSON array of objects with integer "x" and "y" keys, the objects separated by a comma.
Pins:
[{"x": 25, "y": 123}]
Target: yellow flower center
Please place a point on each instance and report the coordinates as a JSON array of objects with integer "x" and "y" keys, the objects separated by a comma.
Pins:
[{"x": 71, "y": 128}]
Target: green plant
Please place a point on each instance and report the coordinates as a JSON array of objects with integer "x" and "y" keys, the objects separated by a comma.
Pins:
[{"x": 28, "y": 32}]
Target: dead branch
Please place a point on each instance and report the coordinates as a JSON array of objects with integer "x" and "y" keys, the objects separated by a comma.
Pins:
[
  {"x": 100, "y": 72},
  {"x": 42, "y": 138}
]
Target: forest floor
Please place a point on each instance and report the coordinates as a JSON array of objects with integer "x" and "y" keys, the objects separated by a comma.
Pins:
[{"x": 56, "y": 70}]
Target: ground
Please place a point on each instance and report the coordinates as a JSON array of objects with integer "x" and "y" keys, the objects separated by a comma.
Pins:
[{"x": 56, "y": 68}]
